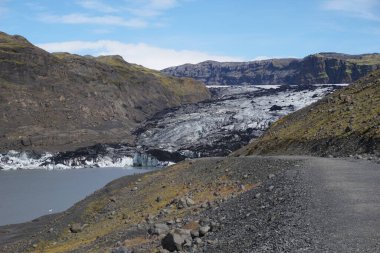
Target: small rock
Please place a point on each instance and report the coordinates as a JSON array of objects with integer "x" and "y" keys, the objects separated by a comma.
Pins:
[
  {"x": 160, "y": 229},
  {"x": 204, "y": 221},
  {"x": 349, "y": 129},
  {"x": 198, "y": 241},
  {"x": 188, "y": 243},
  {"x": 181, "y": 203},
  {"x": 212, "y": 242},
  {"x": 194, "y": 233},
  {"x": 76, "y": 228},
  {"x": 270, "y": 188},
  {"x": 204, "y": 205},
  {"x": 158, "y": 199},
  {"x": 165, "y": 211},
  {"x": 270, "y": 176},
  {"x": 170, "y": 222},
  {"x": 257, "y": 195},
  {"x": 120, "y": 250},
  {"x": 189, "y": 201},
  {"x": 204, "y": 230},
  {"x": 245, "y": 176},
  {"x": 150, "y": 218},
  {"x": 214, "y": 226}
]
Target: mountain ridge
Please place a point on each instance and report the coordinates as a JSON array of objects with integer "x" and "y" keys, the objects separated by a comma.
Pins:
[
  {"x": 57, "y": 102},
  {"x": 323, "y": 68}
]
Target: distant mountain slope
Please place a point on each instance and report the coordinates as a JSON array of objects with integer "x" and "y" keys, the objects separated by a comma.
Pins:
[
  {"x": 347, "y": 122},
  {"x": 63, "y": 101},
  {"x": 318, "y": 68}
]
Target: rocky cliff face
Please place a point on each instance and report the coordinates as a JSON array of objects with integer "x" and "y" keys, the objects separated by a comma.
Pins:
[
  {"x": 347, "y": 122},
  {"x": 63, "y": 101},
  {"x": 319, "y": 68}
]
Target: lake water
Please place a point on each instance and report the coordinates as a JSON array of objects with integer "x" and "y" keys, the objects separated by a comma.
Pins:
[{"x": 29, "y": 194}]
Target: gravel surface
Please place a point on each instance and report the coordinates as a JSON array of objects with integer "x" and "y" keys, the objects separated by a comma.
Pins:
[
  {"x": 271, "y": 218},
  {"x": 322, "y": 205}
]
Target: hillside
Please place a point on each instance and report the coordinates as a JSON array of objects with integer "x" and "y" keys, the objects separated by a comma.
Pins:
[
  {"x": 63, "y": 101},
  {"x": 347, "y": 122},
  {"x": 318, "y": 68}
]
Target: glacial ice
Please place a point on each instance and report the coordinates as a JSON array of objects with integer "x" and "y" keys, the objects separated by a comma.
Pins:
[
  {"x": 237, "y": 115},
  {"x": 217, "y": 127}
]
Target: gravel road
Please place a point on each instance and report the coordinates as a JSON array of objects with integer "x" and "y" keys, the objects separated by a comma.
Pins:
[{"x": 322, "y": 205}]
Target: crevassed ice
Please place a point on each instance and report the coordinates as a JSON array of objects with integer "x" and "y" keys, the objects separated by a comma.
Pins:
[{"x": 13, "y": 160}]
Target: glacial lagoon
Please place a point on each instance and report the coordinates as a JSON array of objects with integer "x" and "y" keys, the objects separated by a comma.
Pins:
[{"x": 29, "y": 194}]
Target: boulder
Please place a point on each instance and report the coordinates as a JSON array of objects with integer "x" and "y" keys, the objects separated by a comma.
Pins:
[
  {"x": 76, "y": 228},
  {"x": 160, "y": 229},
  {"x": 176, "y": 239}
]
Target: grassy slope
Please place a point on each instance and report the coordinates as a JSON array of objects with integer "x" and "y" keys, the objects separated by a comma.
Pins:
[{"x": 345, "y": 122}]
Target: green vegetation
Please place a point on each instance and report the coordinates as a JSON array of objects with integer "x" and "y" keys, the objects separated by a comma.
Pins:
[{"x": 371, "y": 59}]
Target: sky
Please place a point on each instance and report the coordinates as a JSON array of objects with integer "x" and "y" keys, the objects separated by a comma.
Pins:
[{"x": 163, "y": 33}]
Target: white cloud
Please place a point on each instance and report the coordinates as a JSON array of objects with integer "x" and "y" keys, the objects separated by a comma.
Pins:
[
  {"x": 143, "y": 54},
  {"x": 128, "y": 13},
  {"x": 97, "y": 5},
  {"x": 368, "y": 9},
  {"x": 152, "y": 8},
  {"x": 78, "y": 18},
  {"x": 261, "y": 58}
]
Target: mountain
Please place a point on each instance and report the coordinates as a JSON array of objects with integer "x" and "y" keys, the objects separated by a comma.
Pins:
[
  {"x": 346, "y": 122},
  {"x": 63, "y": 101},
  {"x": 319, "y": 68}
]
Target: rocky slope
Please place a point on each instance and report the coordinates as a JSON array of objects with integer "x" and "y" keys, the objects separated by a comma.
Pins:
[
  {"x": 136, "y": 212},
  {"x": 318, "y": 68},
  {"x": 63, "y": 101},
  {"x": 347, "y": 122}
]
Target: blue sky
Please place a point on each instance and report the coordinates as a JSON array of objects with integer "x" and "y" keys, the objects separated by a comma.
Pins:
[{"x": 162, "y": 33}]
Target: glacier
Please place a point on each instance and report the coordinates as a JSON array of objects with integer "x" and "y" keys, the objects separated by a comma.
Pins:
[{"x": 234, "y": 116}]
